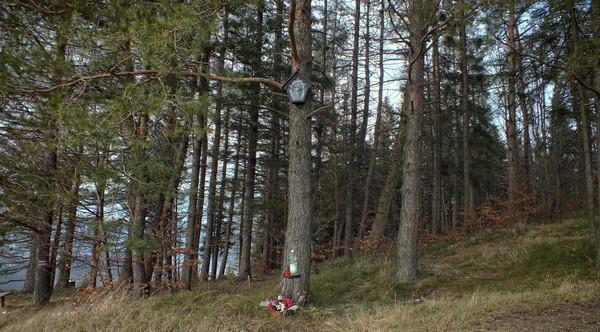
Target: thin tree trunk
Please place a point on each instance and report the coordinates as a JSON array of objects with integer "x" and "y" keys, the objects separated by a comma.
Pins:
[
  {"x": 336, "y": 218},
  {"x": 217, "y": 237},
  {"x": 352, "y": 142},
  {"x": 272, "y": 196},
  {"x": 66, "y": 258},
  {"x": 467, "y": 194},
  {"x": 525, "y": 112},
  {"x": 214, "y": 170},
  {"x": 201, "y": 193},
  {"x": 138, "y": 217},
  {"x": 98, "y": 231},
  {"x": 242, "y": 213},
  {"x": 373, "y": 156},
  {"x": 596, "y": 221},
  {"x": 511, "y": 127},
  {"x": 252, "y": 146},
  {"x": 436, "y": 195},
  {"x": 392, "y": 181},
  {"x": 231, "y": 209},
  {"x": 190, "y": 264},
  {"x": 56, "y": 241}
]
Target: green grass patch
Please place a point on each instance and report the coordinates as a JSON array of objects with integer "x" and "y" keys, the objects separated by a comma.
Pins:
[{"x": 488, "y": 273}]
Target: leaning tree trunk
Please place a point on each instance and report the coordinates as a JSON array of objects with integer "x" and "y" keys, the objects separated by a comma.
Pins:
[{"x": 298, "y": 231}]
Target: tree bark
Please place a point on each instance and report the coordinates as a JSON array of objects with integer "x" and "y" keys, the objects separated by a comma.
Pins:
[
  {"x": 409, "y": 215},
  {"x": 29, "y": 283},
  {"x": 66, "y": 258},
  {"x": 138, "y": 217},
  {"x": 298, "y": 231}
]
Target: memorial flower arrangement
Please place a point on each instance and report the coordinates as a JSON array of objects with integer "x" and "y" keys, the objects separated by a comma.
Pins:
[{"x": 280, "y": 306}]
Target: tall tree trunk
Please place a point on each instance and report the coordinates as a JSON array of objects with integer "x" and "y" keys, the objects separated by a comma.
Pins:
[
  {"x": 392, "y": 181},
  {"x": 127, "y": 273},
  {"x": 56, "y": 241},
  {"x": 29, "y": 283},
  {"x": 43, "y": 287},
  {"x": 527, "y": 158},
  {"x": 337, "y": 222},
  {"x": 214, "y": 170},
  {"x": 66, "y": 258},
  {"x": 98, "y": 231},
  {"x": 436, "y": 194},
  {"x": 252, "y": 145},
  {"x": 242, "y": 213},
  {"x": 216, "y": 243},
  {"x": 580, "y": 101},
  {"x": 596, "y": 27},
  {"x": 231, "y": 208},
  {"x": 467, "y": 194},
  {"x": 190, "y": 264},
  {"x": 271, "y": 191},
  {"x": 218, "y": 225},
  {"x": 511, "y": 126},
  {"x": 298, "y": 231},
  {"x": 42, "y": 290},
  {"x": 373, "y": 156},
  {"x": 409, "y": 215},
  {"x": 352, "y": 142},
  {"x": 138, "y": 217},
  {"x": 201, "y": 192}
]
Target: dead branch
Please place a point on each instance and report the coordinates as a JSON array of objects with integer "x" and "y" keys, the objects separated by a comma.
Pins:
[
  {"x": 291, "y": 21},
  {"x": 78, "y": 79}
]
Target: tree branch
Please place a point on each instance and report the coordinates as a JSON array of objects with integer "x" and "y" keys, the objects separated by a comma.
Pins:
[{"x": 78, "y": 79}]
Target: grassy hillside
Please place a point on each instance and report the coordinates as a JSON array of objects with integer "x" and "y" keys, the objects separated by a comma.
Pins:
[{"x": 537, "y": 278}]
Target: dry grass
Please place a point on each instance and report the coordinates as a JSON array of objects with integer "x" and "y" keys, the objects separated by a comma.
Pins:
[{"x": 462, "y": 285}]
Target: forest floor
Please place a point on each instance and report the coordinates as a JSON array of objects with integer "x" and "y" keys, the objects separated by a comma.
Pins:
[{"x": 521, "y": 277}]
